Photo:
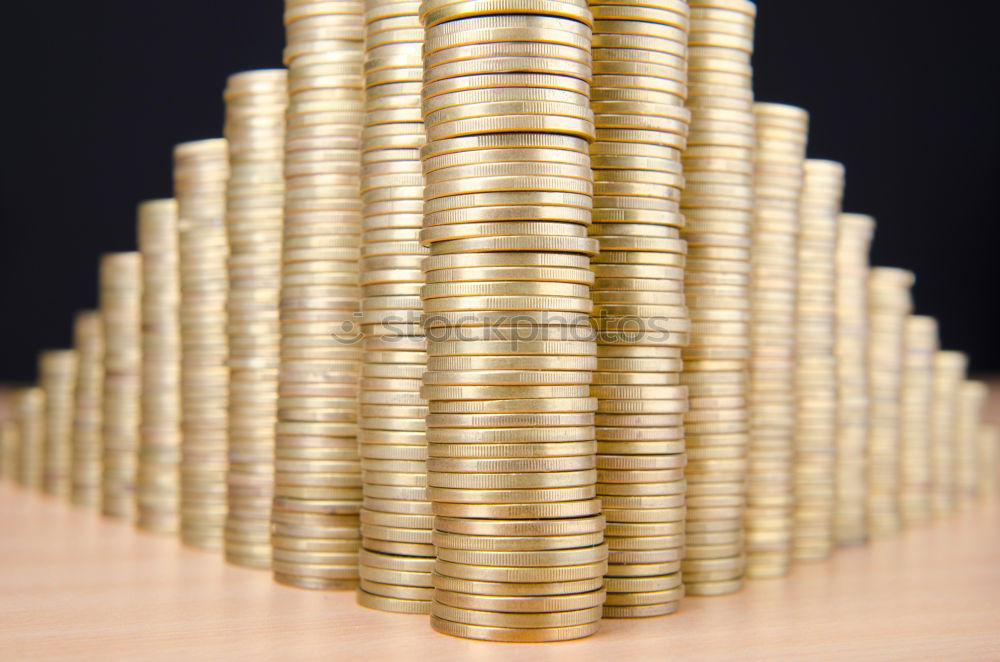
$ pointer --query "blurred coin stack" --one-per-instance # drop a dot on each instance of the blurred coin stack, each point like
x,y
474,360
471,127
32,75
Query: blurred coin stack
x,y
254,130
121,311
853,244
396,519
88,339
718,205
968,417
949,371
201,169
637,96
889,304
10,441
815,363
782,132
57,377
508,197
317,491
29,414
160,426
920,342
989,459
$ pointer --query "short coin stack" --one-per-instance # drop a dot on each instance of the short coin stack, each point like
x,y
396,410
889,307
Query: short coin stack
x,y
637,96
396,516
920,342
88,340
160,428
317,492
989,459
853,244
782,132
57,377
718,204
508,196
254,130
121,309
201,169
29,414
815,363
971,399
10,441
949,371
889,304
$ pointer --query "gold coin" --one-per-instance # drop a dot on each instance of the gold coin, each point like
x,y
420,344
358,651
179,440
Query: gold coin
x,y
511,634
552,510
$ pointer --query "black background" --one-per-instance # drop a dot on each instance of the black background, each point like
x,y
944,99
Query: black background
x,y
96,93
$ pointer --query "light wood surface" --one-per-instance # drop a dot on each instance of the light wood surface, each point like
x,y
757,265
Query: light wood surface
x,y
76,586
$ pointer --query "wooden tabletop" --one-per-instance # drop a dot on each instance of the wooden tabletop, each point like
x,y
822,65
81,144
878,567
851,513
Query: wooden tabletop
x,y
76,586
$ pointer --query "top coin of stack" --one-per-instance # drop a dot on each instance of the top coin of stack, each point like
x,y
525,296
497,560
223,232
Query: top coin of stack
x,y
718,204
920,342
160,428
254,130
971,398
853,243
889,304
317,490
815,364
637,95
781,132
511,468
29,414
201,169
395,517
86,470
949,371
121,310
57,377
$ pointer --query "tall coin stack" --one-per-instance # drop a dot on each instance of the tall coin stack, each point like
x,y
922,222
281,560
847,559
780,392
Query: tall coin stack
x,y
10,442
815,363
160,427
121,310
853,244
889,304
920,342
254,131
29,414
971,399
989,459
88,340
637,96
949,371
201,169
782,132
508,197
317,493
57,377
718,204
396,519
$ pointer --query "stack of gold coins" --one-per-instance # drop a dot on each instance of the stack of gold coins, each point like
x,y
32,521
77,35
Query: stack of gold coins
x,y
160,428
889,304
968,417
317,491
782,132
949,371
121,311
853,245
57,377
989,459
639,308
254,130
29,415
511,452
88,339
10,442
396,518
920,342
815,364
718,204
201,169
